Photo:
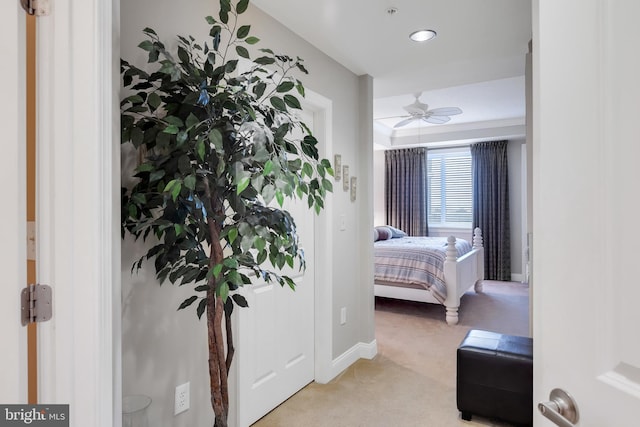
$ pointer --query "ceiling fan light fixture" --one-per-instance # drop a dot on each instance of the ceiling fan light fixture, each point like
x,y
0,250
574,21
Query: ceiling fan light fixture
x,y
422,35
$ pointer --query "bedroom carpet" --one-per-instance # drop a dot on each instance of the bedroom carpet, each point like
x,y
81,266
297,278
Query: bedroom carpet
x,y
411,382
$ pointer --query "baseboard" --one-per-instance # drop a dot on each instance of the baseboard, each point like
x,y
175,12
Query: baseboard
x,y
517,277
348,358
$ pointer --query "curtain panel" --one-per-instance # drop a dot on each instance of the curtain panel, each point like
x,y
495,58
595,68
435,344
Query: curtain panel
x,y
406,190
489,170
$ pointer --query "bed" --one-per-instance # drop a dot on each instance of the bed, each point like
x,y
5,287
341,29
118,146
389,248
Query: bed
x,y
436,270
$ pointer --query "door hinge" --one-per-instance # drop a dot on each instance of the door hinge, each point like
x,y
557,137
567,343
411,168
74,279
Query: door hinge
x,y
36,304
36,7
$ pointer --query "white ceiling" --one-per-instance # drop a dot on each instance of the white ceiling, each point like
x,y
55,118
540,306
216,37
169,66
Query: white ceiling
x,y
476,62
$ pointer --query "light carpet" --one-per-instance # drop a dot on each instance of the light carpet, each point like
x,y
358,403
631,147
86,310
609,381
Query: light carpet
x,y
411,382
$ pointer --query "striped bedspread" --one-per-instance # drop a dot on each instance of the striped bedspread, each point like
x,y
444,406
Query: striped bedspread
x,y
415,261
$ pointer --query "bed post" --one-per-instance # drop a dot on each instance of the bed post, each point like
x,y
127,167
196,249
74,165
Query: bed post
x,y
452,302
478,244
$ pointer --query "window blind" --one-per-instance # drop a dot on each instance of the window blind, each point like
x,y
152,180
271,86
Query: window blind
x,y
449,187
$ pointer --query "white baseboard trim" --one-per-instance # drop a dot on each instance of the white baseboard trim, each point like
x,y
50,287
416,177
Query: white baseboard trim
x,y
517,277
348,358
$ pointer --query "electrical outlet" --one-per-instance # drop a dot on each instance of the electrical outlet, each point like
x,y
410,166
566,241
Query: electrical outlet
x,y
182,398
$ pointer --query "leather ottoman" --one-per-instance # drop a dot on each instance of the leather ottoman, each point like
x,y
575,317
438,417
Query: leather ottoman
x,y
495,377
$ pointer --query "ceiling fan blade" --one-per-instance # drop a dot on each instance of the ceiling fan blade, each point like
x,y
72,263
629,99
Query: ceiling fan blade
x,y
391,117
446,111
405,122
436,120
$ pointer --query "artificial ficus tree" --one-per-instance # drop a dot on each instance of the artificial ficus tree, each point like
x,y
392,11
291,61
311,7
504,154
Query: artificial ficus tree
x,y
218,159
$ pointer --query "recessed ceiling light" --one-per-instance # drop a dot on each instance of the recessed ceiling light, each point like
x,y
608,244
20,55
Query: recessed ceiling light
x,y
422,35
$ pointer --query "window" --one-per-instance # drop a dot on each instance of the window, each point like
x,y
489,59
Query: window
x,y
449,186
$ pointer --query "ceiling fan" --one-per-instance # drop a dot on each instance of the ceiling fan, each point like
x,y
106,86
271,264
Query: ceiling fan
x,y
420,111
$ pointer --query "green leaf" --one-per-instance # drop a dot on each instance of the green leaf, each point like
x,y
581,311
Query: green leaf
x,y
259,89
217,270
268,193
200,148
278,103
153,100
134,99
190,182
223,291
171,130
307,169
327,185
174,186
292,102
233,235
268,167
280,197
242,51
242,5
186,303
148,30
243,184
243,31
183,55
264,60
137,136
257,182
192,120
262,257
201,308
240,300
173,120
156,175
215,137
210,20
231,262
252,40
181,138
284,86
146,45
259,244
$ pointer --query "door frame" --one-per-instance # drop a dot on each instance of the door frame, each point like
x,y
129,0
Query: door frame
x,y
13,258
78,236
323,242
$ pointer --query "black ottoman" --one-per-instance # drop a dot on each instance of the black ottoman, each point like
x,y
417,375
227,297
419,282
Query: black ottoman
x,y
495,377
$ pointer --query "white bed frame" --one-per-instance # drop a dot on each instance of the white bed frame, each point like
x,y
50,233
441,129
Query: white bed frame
x,y
460,275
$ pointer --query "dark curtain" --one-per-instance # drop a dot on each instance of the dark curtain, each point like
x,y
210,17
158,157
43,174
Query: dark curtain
x,y
491,206
406,190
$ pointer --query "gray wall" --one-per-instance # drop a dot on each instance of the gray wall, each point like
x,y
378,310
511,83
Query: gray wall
x,y
163,347
517,199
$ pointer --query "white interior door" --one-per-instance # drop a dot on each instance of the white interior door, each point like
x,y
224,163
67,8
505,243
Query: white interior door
x,y
586,199
276,332
13,252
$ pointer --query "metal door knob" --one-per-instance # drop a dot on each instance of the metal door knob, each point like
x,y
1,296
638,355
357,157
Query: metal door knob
x,y
561,409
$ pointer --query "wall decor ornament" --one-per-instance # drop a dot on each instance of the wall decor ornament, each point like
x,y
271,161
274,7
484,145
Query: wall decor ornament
x,y
354,182
345,177
337,166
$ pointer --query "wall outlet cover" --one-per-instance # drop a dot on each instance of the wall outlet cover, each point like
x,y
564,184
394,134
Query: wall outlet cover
x,y
182,398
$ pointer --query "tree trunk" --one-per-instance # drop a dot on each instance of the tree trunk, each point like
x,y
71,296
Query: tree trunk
x,y
215,372
218,363
218,370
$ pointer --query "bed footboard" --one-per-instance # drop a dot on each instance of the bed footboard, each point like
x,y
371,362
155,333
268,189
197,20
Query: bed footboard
x,y
462,273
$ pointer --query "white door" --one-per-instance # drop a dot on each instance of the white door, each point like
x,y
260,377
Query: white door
x,y
13,252
586,239
276,333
